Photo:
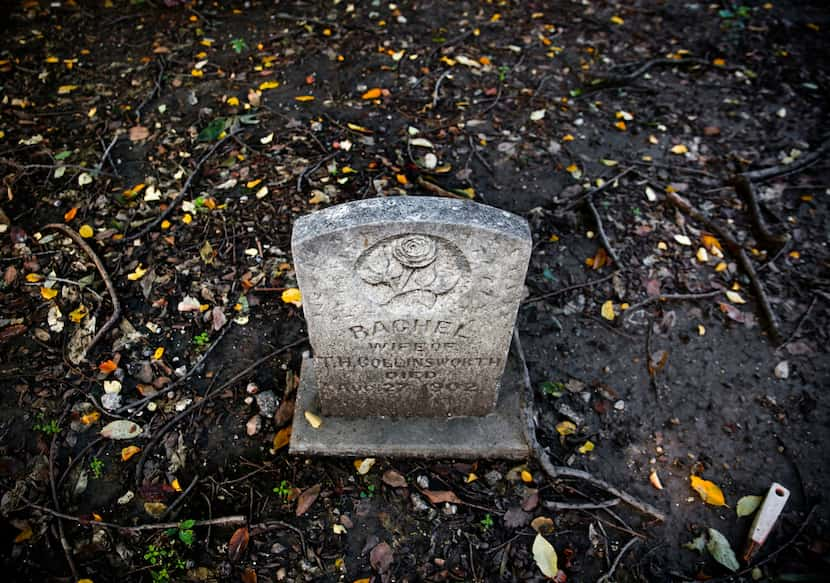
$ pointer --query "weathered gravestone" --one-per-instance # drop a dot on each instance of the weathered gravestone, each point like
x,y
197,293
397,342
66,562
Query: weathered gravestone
x,y
410,304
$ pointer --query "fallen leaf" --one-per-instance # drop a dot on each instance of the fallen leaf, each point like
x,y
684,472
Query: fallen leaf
x,y
86,231
542,524
155,509
364,465
107,366
267,85
129,452
373,93
748,504
137,274
25,535
314,420
683,240
537,115
709,491
394,479
306,499
782,370
70,214
565,428
588,446
526,476
679,149
720,549
607,310
697,544
292,296
381,557
248,575
138,133
545,556
238,544
90,418
441,496
48,293
282,438
121,429
735,297
65,89
655,480
78,314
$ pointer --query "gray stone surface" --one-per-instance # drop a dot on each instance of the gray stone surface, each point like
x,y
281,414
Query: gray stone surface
x,y
410,304
497,435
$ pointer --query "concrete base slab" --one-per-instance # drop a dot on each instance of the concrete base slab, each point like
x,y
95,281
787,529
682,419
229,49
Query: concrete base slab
x,y
498,435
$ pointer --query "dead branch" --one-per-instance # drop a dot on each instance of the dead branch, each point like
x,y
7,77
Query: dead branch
x,y
766,238
609,576
556,472
179,197
581,198
743,259
801,320
786,169
435,189
670,298
53,449
116,305
614,80
602,236
554,505
569,288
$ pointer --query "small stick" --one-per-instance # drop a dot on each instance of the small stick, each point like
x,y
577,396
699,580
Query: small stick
x,y
671,297
766,238
435,92
607,184
107,155
53,449
234,520
553,505
554,471
176,201
602,236
608,576
569,288
178,501
116,305
740,255
644,68
801,320
435,189
786,169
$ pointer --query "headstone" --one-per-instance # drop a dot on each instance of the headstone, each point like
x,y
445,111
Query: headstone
x,y
410,304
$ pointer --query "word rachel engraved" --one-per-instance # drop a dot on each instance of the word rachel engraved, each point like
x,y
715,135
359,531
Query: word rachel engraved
x,y
408,327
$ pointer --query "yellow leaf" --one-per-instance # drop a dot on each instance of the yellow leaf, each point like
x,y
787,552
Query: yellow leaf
x,y
794,254
721,267
302,98
607,310
710,242
719,63
679,149
24,535
527,477
401,178
34,277
702,255
292,296
158,353
129,452
79,314
701,329
565,428
586,447
620,125
175,485
655,480
567,138
187,219
709,491
363,466
70,214
52,60
735,297
572,168
197,73
165,224
90,418
253,183
268,85
471,478
233,101
64,89
48,293
617,20
313,420
137,274
84,580
373,93
282,438
86,231
107,366
545,557
356,128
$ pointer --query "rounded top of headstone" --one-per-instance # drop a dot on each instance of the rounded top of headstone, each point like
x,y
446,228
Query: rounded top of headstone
x,y
408,209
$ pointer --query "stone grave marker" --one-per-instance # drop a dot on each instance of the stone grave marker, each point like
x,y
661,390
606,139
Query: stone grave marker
x,y
410,304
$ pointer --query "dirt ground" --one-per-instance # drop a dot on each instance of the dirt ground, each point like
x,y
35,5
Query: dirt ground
x,y
671,158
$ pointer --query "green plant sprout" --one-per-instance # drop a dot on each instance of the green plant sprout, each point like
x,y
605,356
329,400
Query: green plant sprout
x,y
486,522
164,561
201,340
49,427
238,45
283,490
97,467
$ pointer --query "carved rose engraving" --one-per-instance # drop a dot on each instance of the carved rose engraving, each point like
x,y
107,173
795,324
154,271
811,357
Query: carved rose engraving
x,y
411,268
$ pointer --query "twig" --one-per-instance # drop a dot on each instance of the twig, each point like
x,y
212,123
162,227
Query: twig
x,y
435,91
234,520
116,305
435,189
78,458
178,501
608,576
800,164
107,155
286,16
569,288
801,320
645,67
176,201
554,471
554,505
261,527
671,297
602,236
53,448
766,238
739,253
312,168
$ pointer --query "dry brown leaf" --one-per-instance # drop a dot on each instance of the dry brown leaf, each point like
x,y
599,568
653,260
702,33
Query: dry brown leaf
x,y
439,496
306,499
381,557
282,438
394,479
248,575
138,133
238,544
